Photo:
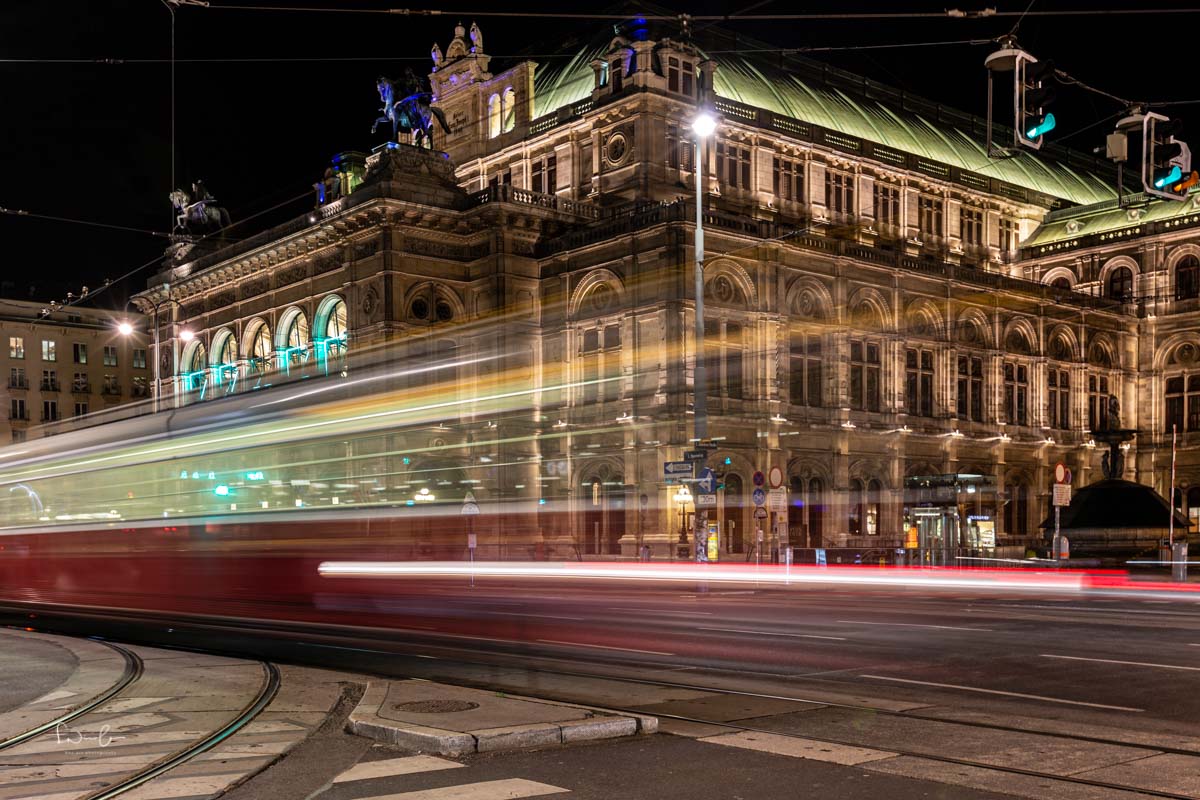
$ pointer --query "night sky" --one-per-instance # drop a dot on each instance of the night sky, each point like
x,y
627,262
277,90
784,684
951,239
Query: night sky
x,y
90,141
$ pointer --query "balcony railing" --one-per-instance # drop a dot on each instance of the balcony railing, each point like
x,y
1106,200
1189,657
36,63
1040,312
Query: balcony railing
x,y
52,417
110,390
80,387
18,383
50,386
19,417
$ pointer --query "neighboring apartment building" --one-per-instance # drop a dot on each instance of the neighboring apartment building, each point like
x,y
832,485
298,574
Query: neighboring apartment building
x,y
70,363
870,316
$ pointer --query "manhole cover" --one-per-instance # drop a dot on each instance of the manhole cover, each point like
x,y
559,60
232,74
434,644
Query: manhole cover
x,y
436,706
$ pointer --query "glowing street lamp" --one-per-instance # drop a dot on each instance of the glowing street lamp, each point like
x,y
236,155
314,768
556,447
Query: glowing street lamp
x,y
125,329
683,497
186,335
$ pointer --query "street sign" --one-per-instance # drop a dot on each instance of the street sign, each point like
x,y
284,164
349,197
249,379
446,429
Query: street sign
x,y
706,481
469,504
759,479
678,469
760,513
703,500
1060,473
1062,494
471,541
778,500
776,477
758,496
707,444
695,455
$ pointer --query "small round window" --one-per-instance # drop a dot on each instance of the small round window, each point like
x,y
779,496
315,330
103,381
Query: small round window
x,y
444,312
419,308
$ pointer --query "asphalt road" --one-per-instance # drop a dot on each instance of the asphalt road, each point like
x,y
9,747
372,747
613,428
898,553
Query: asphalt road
x,y
1065,684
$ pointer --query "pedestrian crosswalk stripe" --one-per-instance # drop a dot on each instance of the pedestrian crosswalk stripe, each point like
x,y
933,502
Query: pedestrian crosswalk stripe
x,y
394,766
511,789
797,747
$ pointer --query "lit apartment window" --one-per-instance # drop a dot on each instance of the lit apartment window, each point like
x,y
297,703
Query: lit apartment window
x,y
110,356
49,351
16,347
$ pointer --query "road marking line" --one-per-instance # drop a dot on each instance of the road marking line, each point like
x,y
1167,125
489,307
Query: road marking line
x,y
539,616
1115,661
661,611
510,789
1007,694
909,625
770,633
395,766
799,748
1088,608
606,647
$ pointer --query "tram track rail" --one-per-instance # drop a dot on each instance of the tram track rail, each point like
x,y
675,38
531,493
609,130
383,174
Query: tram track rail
x,y
134,667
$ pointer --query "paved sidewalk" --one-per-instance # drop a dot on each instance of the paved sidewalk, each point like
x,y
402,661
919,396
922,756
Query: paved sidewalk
x,y
450,720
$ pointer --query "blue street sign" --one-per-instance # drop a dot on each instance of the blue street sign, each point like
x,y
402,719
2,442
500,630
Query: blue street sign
x,y
707,481
676,469
759,497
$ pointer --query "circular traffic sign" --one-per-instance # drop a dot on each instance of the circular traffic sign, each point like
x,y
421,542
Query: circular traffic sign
x,y
759,479
759,497
1060,473
776,477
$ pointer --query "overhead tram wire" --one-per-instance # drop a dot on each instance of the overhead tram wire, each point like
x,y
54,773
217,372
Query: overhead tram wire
x,y
952,13
19,212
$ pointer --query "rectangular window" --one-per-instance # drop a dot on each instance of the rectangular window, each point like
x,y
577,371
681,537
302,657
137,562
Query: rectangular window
x,y
887,204
970,388
544,175
839,192
16,378
864,375
49,410
688,78
679,150
1098,403
1008,236
80,382
16,409
1174,393
1059,391
733,166
930,217
672,74
1016,394
972,226
111,386
49,380
110,355
805,370
16,347
918,382
788,180
49,351
139,359
81,409
80,353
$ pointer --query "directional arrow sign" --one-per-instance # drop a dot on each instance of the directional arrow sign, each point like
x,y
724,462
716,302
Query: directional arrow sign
x,y
673,469
707,481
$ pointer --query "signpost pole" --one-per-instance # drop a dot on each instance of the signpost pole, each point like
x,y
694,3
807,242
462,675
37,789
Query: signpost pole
x,y
1057,532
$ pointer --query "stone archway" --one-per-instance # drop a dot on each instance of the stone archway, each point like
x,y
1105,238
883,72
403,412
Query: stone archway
x,y
600,521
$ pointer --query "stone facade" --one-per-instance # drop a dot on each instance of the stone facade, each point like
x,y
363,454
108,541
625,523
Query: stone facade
x,y
868,314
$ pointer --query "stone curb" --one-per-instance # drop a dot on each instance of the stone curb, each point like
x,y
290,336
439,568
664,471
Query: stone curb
x,y
595,724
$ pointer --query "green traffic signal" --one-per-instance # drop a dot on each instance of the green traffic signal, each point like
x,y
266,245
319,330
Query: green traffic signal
x,y
1045,126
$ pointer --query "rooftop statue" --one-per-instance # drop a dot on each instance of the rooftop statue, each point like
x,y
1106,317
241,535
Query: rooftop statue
x,y
476,39
197,214
411,114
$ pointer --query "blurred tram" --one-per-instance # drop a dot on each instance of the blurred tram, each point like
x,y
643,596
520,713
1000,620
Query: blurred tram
x,y
228,506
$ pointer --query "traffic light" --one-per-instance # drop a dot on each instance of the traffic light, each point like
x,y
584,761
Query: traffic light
x,y
1166,161
1034,93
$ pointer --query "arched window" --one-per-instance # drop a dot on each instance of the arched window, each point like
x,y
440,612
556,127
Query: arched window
x,y
195,369
329,331
1120,284
493,116
508,105
1187,278
224,360
1016,510
1061,283
293,338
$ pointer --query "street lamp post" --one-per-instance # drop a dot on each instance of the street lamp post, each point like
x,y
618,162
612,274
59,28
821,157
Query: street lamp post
x,y
683,497
703,126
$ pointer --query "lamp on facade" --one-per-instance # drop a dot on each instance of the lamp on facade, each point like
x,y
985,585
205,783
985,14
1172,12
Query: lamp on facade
x,y
186,335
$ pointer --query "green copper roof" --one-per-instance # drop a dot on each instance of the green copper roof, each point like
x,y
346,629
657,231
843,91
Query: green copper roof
x,y
849,104
1083,226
